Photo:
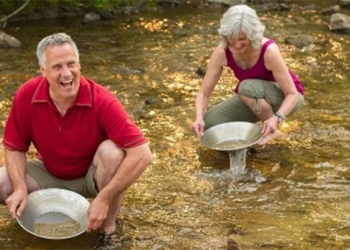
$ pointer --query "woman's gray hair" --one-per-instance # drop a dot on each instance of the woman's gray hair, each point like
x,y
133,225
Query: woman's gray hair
x,y
241,18
53,40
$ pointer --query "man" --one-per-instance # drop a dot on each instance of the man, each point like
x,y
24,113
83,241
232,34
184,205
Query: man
x,y
85,140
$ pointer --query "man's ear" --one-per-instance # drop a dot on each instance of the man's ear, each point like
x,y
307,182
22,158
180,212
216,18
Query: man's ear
x,y
42,70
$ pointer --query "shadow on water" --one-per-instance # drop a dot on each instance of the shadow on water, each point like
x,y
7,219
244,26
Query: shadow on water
x,y
185,199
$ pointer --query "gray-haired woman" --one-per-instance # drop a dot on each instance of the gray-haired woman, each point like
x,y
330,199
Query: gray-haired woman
x,y
266,91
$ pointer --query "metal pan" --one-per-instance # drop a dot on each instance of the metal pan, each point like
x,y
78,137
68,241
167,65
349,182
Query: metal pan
x,y
231,136
55,214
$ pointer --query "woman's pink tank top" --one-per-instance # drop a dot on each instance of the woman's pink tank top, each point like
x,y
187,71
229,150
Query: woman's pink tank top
x,y
258,71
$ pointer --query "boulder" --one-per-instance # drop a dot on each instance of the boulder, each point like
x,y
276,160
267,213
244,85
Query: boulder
x,y
340,22
7,41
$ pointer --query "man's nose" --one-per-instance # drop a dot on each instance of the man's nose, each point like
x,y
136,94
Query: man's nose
x,y
66,71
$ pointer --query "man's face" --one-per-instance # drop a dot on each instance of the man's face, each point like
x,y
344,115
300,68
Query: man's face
x,y
62,70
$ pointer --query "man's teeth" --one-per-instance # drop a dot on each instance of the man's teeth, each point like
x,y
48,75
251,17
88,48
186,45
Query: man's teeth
x,y
67,83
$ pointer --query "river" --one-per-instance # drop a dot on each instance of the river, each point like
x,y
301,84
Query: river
x,y
186,199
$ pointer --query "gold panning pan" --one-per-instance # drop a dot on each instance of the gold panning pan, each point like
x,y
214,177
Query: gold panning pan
x,y
55,214
232,136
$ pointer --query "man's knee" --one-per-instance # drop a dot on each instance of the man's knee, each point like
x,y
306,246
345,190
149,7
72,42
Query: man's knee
x,y
5,185
109,153
106,162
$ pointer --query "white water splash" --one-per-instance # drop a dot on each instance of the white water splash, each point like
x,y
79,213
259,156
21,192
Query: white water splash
x,y
238,162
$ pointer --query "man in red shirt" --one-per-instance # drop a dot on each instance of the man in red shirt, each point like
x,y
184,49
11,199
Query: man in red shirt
x,y
85,140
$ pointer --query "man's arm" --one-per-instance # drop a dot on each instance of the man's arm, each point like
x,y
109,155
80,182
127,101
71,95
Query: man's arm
x,y
105,206
135,162
16,168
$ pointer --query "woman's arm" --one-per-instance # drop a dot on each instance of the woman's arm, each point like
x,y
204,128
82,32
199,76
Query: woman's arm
x,y
275,63
216,63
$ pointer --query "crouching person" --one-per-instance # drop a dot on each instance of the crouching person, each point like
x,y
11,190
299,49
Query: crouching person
x,y
86,141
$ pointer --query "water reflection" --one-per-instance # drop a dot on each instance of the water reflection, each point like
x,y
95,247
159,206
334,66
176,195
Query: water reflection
x,y
184,200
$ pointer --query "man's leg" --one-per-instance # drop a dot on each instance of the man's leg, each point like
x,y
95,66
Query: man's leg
x,y
6,186
107,160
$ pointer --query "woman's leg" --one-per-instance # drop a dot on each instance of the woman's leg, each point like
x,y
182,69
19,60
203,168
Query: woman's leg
x,y
262,97
230,110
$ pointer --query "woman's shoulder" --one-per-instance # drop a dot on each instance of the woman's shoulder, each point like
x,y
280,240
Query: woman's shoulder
x,y
270,45
268,41
219,54
220,49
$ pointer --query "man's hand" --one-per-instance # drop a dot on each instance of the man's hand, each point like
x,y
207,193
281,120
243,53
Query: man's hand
x,y
97,213
16,202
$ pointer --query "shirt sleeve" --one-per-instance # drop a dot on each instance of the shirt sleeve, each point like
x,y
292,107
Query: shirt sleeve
x,y
16,133
118,125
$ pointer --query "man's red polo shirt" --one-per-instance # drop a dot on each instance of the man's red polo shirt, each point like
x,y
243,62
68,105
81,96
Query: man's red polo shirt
x,y
67,144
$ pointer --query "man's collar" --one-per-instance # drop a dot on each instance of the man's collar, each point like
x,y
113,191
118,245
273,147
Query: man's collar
x,y
84,97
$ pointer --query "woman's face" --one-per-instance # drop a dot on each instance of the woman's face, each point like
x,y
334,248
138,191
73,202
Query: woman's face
x,y
241,44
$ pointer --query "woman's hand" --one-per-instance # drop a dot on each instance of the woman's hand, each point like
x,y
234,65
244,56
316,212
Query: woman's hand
x,y
198,127
269,130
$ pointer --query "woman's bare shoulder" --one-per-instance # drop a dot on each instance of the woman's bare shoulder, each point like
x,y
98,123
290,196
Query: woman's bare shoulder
x,y
218,55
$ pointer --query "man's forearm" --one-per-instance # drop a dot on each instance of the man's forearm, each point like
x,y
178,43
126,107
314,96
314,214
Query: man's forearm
x,y
16,168
130,170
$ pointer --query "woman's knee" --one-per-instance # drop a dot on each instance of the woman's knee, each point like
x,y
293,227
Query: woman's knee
x,y
252,88
231,110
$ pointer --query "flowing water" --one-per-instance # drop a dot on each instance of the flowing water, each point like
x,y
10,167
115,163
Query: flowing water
x,y
238,163
296,191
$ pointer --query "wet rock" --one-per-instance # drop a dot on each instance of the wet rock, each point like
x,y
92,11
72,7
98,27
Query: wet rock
x,y
307,7
7,41
344,3
235,230
300,41
227,2
129,10
168,3
105,15
151,100
200,72
157,247
330,10
233,245
340,22
91,17
283,7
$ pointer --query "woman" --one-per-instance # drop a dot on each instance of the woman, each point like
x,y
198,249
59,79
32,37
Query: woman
x,y
266,91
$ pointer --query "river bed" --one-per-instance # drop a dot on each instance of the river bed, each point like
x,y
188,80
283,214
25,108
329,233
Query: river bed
x,y
187,199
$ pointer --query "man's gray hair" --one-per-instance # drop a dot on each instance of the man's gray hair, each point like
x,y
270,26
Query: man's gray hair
x,y
53,40
241,18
